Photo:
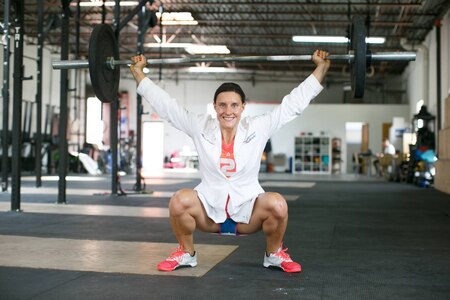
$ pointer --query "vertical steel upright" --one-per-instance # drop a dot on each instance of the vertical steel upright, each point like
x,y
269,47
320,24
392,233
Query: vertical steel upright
x,y
138,160
438,77
38,137
119,25
62,128
17,105
113,139
139,109
113,116
5,94
78,79
161,32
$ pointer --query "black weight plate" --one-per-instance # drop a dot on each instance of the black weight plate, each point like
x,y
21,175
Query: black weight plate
x,y
102,45
358,67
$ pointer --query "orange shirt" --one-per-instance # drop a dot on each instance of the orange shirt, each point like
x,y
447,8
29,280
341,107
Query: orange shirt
x,y
227,163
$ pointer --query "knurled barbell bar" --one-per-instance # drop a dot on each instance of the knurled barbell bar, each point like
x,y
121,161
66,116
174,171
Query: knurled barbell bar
x,y
111,63
104,60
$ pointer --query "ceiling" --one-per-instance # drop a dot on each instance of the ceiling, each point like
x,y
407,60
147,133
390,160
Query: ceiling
x,y
259,27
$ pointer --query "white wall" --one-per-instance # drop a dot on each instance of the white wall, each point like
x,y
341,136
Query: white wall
x,y
414,74
50,86
329,118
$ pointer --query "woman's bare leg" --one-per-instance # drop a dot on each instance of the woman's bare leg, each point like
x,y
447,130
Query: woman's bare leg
x,y
270,213
187,214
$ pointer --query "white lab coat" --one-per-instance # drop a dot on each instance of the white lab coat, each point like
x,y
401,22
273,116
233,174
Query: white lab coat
x,y
251,137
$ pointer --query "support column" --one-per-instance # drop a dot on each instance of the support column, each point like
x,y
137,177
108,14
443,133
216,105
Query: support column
x,y
139,108
62,128
5,94
17,105
38,136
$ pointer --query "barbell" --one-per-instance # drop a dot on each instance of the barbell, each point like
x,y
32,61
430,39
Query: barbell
x,y
103,61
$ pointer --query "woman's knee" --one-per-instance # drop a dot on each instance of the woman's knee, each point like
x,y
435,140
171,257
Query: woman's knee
x,y
182,200
277,205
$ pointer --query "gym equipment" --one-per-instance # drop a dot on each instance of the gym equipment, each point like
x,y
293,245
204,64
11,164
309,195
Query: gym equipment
x,y
359,66
103,46
104,60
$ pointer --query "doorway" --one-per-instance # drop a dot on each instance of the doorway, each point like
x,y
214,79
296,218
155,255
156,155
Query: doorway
x,y
152,146
357,142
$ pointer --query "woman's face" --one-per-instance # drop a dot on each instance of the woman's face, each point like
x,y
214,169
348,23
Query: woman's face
x,y
229,107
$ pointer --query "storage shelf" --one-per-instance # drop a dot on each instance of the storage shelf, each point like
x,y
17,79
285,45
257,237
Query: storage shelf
x,y
312,155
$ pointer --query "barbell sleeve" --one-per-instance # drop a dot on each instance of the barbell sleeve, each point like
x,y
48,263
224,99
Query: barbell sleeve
x,y
393,56
70,64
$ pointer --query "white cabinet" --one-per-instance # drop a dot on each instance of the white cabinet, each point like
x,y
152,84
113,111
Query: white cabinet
x,y
312,155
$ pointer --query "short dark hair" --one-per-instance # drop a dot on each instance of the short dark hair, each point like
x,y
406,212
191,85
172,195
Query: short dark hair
x,y
230,87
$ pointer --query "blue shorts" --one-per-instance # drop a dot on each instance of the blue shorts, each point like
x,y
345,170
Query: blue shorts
x,y
229,227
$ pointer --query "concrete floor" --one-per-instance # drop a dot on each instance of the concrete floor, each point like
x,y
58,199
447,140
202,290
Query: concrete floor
x,y
356,238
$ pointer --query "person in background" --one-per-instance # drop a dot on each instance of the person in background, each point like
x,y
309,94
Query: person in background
x,y
389,149
229,198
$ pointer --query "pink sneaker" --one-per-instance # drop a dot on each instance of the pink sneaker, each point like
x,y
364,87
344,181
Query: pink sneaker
x,y
177,259
282,260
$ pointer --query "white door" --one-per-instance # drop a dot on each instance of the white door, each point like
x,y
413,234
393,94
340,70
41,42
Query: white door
x,y
152,146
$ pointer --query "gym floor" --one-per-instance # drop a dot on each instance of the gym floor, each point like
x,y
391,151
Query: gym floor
x,y
356,238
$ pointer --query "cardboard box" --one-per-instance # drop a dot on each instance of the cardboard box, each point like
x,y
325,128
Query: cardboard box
x,y
447,112
444,143
442,178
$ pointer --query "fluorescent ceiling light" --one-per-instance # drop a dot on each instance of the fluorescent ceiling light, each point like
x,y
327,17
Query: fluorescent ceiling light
x,y
332,39
171,23
167,45
207,49
192,48
375,40
319,39
107,3
212,70
177,18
